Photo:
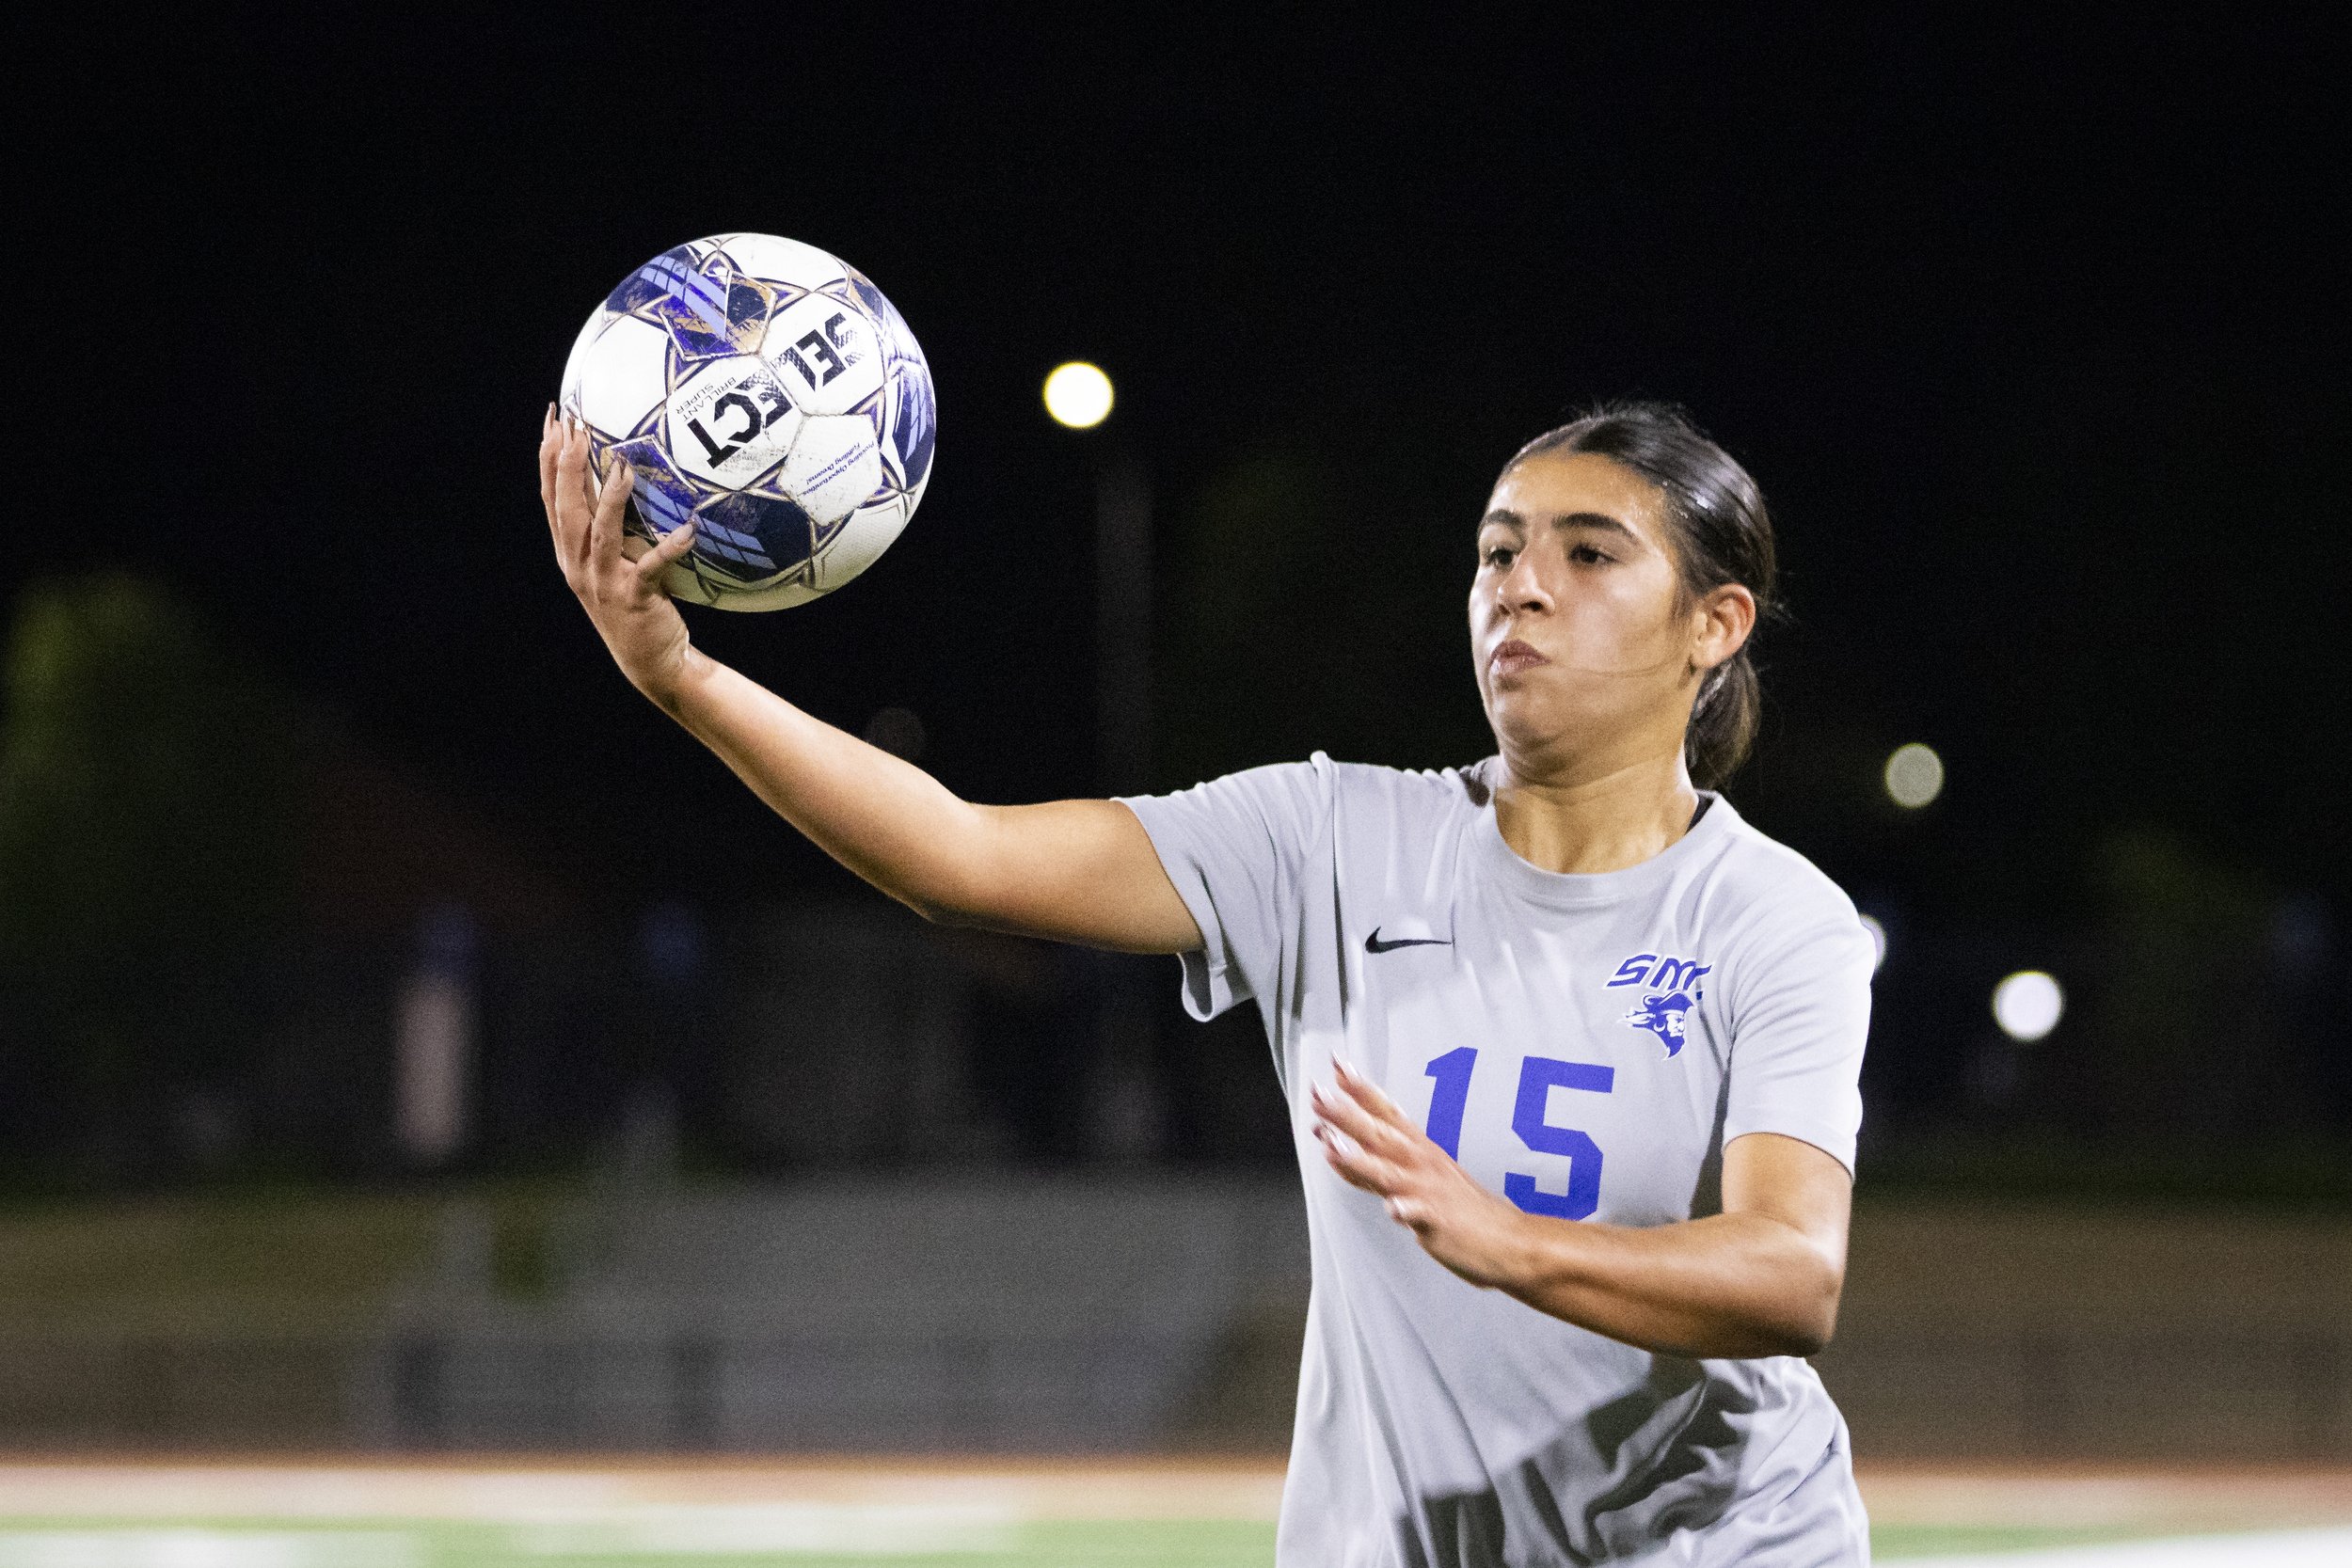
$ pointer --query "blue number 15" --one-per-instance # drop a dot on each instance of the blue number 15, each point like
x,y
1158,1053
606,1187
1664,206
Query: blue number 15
x,y
1538,1077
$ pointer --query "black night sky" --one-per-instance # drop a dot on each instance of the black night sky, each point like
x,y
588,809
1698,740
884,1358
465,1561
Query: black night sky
x,y
2029,330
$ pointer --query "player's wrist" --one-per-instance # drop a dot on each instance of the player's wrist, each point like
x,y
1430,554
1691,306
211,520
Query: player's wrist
x,y
1501,1256
1536,1253
673,682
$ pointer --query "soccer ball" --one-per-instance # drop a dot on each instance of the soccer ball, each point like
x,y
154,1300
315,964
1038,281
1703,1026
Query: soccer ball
x,y
768,391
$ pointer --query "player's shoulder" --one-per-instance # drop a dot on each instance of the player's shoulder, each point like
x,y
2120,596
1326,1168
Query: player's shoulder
x,y
1319,800
1757,883
1401,796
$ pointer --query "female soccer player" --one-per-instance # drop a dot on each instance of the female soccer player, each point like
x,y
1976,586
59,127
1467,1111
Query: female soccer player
x,y
1571,1050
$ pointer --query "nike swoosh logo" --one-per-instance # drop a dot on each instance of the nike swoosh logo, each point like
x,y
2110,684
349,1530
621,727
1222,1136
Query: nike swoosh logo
x,y
1373,944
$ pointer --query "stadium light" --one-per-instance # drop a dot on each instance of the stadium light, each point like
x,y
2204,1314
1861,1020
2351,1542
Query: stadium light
x,y
1078,395
1915,776
2028,1005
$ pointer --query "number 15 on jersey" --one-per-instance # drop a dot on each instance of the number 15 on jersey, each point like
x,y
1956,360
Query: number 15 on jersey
x,y
1538,1077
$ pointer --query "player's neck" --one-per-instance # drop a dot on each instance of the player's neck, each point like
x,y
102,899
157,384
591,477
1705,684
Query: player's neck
x,y
1599,818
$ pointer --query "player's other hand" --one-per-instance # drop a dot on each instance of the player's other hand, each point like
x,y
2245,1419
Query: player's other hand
x,y
1373,1145
618,579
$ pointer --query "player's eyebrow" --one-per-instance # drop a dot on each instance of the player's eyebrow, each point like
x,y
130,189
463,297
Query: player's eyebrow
x,y
1598,521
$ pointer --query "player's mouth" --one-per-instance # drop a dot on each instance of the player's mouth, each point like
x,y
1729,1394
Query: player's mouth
x,y
1513,658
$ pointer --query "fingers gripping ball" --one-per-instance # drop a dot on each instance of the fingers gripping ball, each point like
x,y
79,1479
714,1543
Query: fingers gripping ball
x,y
767,391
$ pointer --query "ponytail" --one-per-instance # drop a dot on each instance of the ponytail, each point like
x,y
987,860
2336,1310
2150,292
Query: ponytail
x,y
1724,722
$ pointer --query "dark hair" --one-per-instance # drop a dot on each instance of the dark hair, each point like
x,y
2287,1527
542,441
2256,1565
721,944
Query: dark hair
x,y
1721,533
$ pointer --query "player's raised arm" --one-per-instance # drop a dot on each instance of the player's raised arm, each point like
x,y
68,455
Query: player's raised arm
x,y
1079,871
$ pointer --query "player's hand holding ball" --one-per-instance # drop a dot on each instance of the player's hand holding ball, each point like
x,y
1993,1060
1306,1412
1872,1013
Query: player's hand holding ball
x,y
747,422
619,580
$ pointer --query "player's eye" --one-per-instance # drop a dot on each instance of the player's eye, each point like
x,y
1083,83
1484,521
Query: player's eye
x,y
1498,556
1589,555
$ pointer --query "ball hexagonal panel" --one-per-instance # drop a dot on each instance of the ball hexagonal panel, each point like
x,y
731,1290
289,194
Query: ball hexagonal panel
x,y
835,466
623,375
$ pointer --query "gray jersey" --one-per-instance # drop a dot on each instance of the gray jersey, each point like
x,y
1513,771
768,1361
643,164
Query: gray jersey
x,y
1584,1045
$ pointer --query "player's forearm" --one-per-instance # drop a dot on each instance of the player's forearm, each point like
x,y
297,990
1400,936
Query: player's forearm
x,y
1729,1285
883,817
1078,871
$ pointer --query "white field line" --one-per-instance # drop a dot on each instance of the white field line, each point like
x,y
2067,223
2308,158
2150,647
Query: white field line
x,y
853,1529
2316,1548
207,1548
550,1495
2186,1500
720,1530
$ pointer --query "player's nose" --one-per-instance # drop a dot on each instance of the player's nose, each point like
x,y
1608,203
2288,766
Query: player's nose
x,y
1522,589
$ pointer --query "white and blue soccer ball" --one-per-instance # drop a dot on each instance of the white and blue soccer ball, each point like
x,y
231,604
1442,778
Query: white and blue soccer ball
x,y
768,391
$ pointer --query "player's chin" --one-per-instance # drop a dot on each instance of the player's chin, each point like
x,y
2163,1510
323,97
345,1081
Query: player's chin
x,y
1528,714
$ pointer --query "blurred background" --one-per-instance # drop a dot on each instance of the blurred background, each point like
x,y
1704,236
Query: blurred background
x,y
409,1041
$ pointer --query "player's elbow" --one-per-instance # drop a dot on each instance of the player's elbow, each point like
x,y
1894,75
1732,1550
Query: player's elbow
x,y
1808,1316
1788,1328
1809,1337
1790,1309
967,909
968,879
951,893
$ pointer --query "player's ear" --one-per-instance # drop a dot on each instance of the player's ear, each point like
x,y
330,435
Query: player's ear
x,y
1723,620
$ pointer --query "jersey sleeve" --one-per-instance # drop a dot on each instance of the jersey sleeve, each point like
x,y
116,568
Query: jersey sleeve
x,y
1800,1016
1235,848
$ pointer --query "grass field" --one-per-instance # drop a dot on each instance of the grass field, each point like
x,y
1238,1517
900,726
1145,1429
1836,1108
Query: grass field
x,y
912,1515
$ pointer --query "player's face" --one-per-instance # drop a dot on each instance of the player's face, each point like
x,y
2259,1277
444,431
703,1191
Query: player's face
x,y
1583,642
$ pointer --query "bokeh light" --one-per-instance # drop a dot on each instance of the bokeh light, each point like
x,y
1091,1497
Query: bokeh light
x,y
1915,776
2028,1005
1078,394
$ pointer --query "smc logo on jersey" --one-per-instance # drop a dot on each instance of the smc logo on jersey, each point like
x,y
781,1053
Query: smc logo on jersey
x,y
1670,989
